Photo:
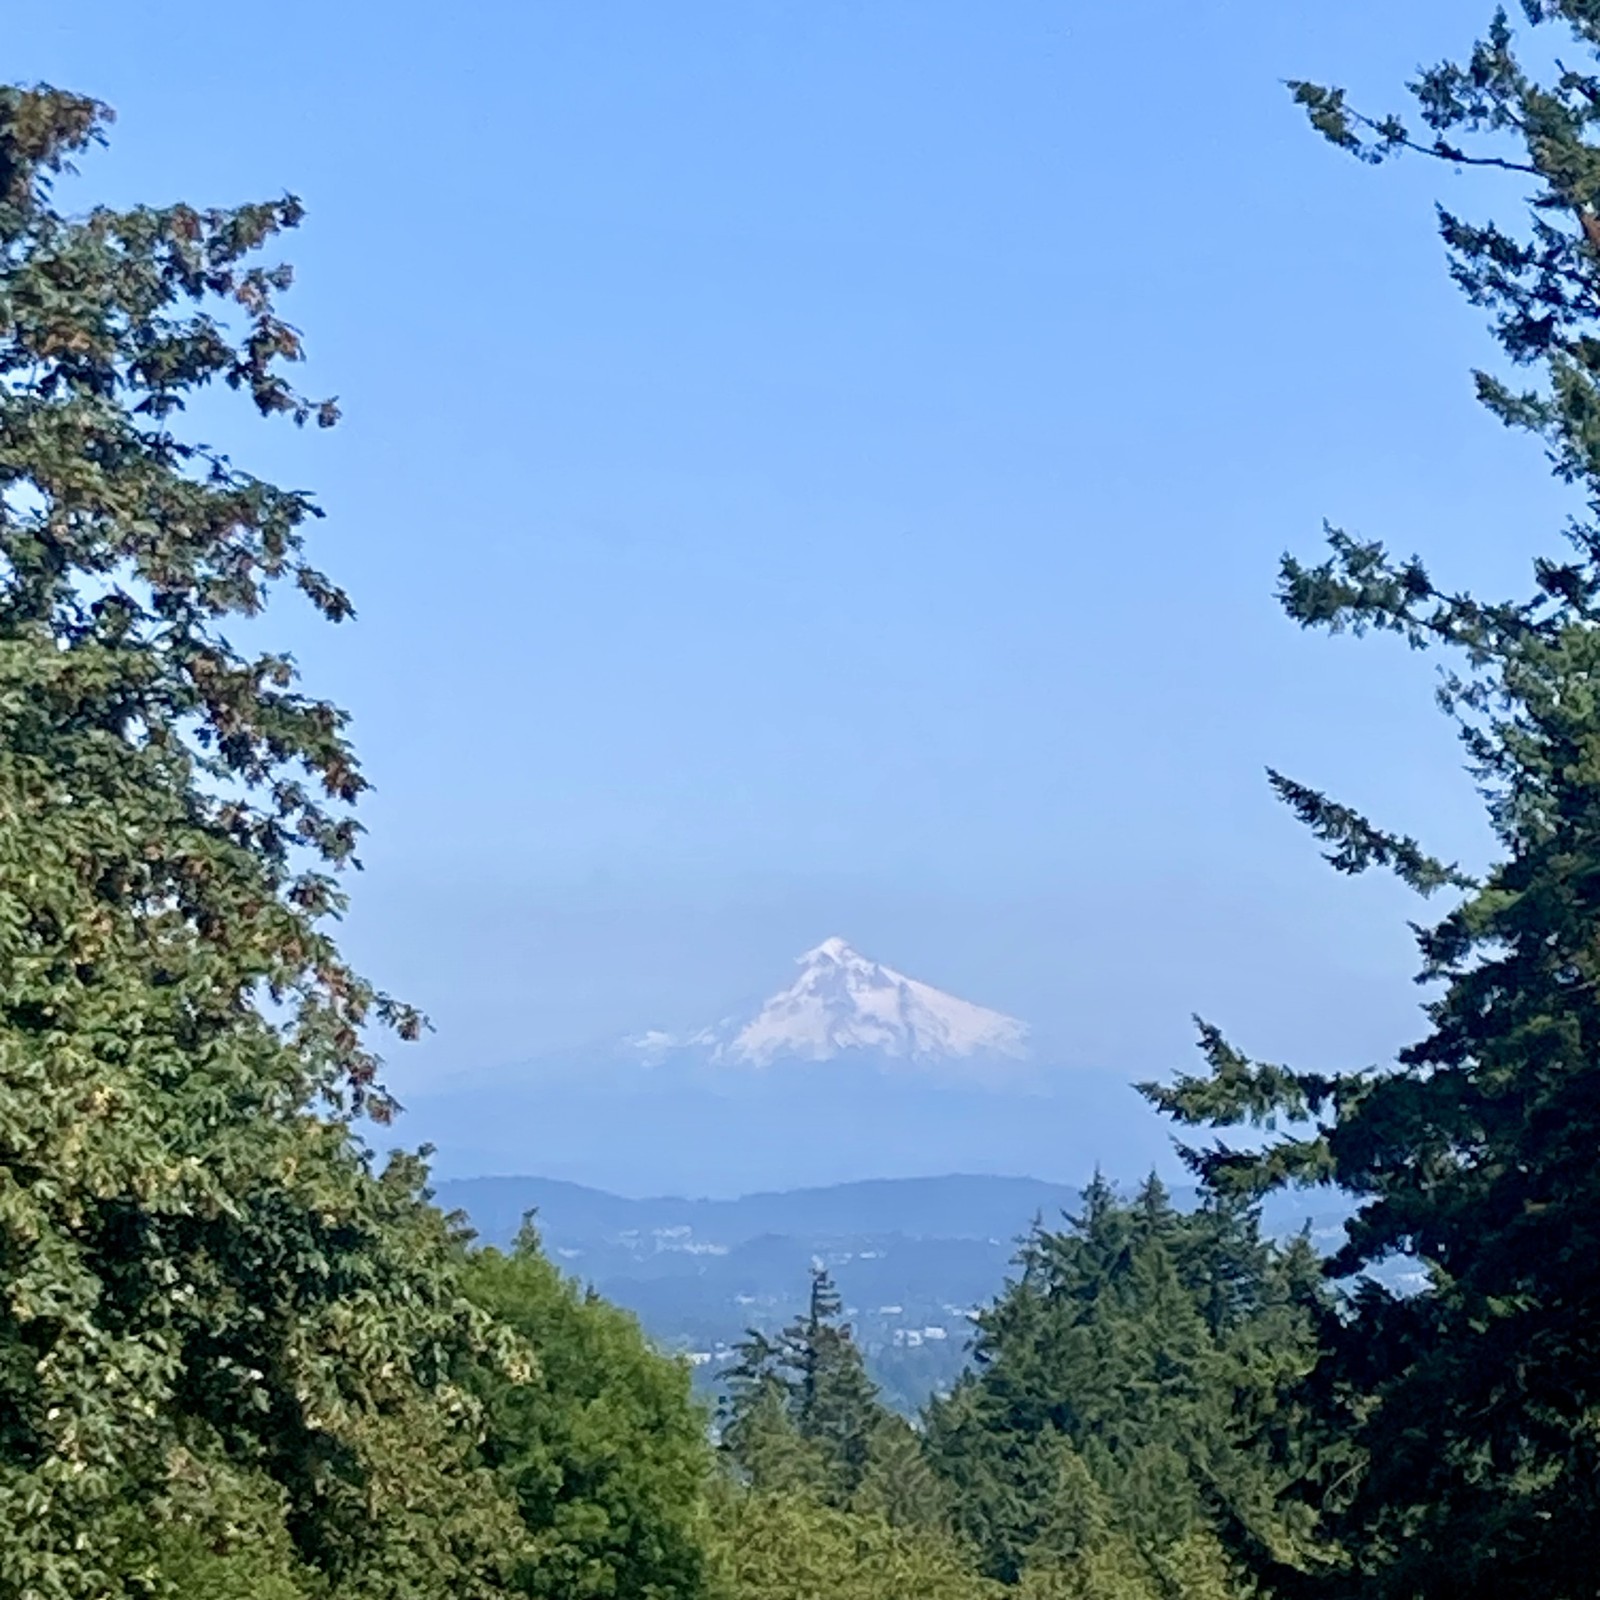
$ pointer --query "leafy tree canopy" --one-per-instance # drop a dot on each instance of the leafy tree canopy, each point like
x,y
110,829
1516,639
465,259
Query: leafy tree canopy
x,y
217,1319
604,1450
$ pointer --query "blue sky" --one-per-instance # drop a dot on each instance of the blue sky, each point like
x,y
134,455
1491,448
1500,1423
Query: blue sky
x,y
819,466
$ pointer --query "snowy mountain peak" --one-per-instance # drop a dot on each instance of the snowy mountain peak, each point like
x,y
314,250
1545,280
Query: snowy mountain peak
x,y
843,1001
834,949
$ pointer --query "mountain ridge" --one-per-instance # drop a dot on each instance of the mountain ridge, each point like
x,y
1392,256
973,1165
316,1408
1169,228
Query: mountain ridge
x,y
946,1205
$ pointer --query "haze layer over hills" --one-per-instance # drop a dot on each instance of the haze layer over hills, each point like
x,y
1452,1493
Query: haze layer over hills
x,y
849,1069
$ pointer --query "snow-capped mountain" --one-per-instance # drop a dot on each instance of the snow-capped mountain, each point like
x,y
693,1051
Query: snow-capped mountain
x,y
843,1001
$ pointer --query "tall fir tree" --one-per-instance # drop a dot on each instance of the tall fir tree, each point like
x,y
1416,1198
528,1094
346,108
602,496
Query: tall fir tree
x,y
799,1410
756,1422
1100,1365
1462,1423
836,1404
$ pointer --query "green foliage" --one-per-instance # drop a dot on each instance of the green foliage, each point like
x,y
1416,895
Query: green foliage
x,y
789,1547
830,1493
1124,1432
836,1404
1128,1399
204,1544
762,1443
801,1410
599,1442
1111,1569
899,1483
1461,1425
216,1316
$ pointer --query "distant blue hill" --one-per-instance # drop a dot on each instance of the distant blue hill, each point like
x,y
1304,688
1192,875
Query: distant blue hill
x,y
957,1207
913,1257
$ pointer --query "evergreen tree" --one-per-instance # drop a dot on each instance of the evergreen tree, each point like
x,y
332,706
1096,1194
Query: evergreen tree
x,y
800,1410
1081,1554
836,1404
1106,1402
899,1483
834,1494
1462,1423
756,1421
225,1340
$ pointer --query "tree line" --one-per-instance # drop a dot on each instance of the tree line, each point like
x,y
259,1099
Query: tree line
x,y
1122,1430
239,1356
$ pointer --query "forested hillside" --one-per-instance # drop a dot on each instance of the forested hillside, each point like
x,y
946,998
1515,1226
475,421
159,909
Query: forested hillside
x,y
240,1357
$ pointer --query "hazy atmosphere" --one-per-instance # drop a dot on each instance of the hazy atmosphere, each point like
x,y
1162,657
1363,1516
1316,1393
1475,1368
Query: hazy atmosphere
x,y
819,469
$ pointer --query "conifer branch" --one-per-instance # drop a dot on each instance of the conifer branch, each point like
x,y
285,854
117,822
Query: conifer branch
x,y
1358,845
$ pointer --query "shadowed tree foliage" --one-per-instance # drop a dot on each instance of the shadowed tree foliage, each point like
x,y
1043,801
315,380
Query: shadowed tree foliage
x,y
1462,1423
1126,1412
